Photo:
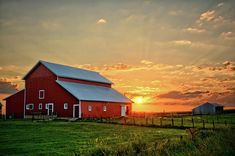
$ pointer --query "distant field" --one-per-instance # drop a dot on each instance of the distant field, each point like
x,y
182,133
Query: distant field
x,y
67,138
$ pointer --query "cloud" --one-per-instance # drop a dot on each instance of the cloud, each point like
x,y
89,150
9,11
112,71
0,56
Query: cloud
x,y
8,87
180,95
194,30
207,16
220,4
227,35
146,62
182,42
226,66
10,79
101,21
215,20
105,67
175,12
227,63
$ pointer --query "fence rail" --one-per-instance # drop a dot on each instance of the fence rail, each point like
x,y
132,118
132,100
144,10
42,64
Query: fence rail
x,y
169,122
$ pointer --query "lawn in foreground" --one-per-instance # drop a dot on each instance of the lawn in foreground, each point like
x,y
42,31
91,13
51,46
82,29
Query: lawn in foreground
x,y
66,138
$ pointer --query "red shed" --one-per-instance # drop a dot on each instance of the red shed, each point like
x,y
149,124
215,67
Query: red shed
x,y
15,105
68,92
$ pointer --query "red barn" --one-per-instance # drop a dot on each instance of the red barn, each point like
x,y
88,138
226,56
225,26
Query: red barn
x,y
67,92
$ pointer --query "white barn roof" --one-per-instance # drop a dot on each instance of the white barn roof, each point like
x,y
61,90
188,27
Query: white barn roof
x,y
93,93
72,72
207,103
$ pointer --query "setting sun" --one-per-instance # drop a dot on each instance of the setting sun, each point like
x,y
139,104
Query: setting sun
x,y
138,100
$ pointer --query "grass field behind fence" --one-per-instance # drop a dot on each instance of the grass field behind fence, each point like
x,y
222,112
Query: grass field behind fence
x,y
67,138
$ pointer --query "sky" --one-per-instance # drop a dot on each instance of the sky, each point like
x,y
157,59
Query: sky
x,y
170,55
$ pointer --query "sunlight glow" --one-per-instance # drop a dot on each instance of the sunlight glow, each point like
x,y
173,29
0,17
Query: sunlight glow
x,y
138,99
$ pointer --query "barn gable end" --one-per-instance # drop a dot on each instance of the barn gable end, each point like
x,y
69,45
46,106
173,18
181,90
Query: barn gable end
x,y
42,79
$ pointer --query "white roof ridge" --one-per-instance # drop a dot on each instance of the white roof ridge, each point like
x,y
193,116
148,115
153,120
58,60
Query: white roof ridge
x,y
42,61
71,72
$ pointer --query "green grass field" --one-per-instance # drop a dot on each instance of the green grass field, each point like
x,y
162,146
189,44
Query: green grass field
x,y
67,138
24,137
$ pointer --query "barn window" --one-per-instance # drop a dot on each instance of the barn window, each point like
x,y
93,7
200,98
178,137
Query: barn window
x,y
105,108
40,106
89,108
65,105
29,106
41,94
46,106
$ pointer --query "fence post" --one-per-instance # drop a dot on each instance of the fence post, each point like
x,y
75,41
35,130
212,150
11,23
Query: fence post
x,y
225,122
193,122
172,122
161,121
133,120
146,121
182,122
124,120
152,121
203,123
213,124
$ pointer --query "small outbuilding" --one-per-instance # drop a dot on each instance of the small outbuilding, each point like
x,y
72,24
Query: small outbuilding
x,y
208,108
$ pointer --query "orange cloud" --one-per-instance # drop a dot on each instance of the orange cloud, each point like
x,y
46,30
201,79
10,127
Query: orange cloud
x,y
101,21
146,62
182,42
207,16
194,30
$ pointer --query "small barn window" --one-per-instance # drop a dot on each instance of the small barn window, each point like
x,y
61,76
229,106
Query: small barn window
x,y
105,108
41,94
65,105
46,106
40,106
89,108
29,106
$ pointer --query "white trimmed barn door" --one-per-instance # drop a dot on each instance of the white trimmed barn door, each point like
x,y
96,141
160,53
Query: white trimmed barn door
x,y
123,110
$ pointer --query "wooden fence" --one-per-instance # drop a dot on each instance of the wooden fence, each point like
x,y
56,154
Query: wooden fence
x,y
167,122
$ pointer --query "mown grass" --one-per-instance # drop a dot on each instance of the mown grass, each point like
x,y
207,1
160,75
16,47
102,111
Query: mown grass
x,y
24,137
75,138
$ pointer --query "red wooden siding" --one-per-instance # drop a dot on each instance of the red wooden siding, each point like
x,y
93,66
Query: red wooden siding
x,y
43,79
15,105
113,109
84,82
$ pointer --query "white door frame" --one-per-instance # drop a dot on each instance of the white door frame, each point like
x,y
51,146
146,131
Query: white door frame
x,y
52,104
123,113
80,110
